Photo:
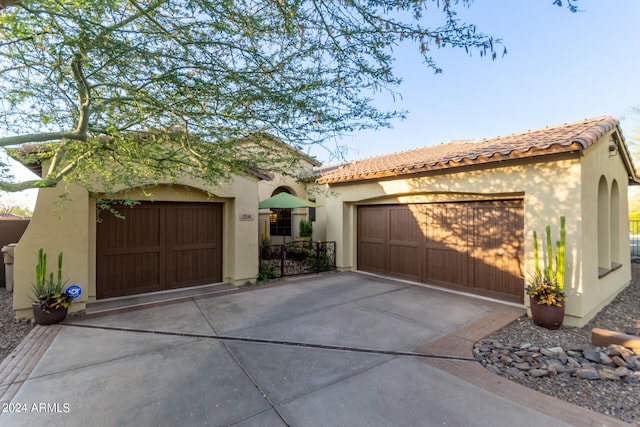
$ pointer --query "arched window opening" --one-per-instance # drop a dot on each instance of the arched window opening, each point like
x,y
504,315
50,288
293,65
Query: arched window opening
x,y
604,260
280,218
614,221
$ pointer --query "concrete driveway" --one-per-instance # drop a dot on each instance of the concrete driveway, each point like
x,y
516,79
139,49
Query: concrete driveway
x,y
334,350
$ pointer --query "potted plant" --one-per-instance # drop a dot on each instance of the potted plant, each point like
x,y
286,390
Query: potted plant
x,y
546,286
51,301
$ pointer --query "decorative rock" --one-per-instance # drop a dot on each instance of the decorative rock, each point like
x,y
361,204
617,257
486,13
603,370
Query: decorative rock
x,y
558,351
591,355
588,373
485,348
631,360
522,366
493,369
623,372
609,374
573,363
516,373
618,350
557,365
548,352
538,372
610,363
517,359
618,361
605,359
505,359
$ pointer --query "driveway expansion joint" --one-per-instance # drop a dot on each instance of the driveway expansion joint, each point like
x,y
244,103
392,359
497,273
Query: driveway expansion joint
x,y
281,342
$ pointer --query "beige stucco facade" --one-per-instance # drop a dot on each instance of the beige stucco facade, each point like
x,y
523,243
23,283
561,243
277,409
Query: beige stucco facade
x,y
586,185
68,224
550,186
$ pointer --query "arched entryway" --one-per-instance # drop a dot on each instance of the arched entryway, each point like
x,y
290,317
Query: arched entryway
x,y
281,219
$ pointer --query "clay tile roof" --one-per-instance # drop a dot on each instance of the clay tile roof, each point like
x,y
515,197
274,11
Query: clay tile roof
x,y
561,138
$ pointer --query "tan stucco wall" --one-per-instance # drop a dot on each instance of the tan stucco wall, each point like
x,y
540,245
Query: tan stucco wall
x,y
72,230
550,188
596,292
58,225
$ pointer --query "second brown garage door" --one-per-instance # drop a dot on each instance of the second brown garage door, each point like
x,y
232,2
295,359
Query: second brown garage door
x,y
472,246
158,246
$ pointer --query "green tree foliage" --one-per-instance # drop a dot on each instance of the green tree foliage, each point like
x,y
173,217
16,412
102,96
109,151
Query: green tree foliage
x,y
634,145
10,205
127,92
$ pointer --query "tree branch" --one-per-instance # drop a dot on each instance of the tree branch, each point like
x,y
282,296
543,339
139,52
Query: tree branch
x,y
84,96
12,187
40,137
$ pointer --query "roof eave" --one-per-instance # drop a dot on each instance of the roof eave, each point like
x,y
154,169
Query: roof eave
x,y
533,154
625,155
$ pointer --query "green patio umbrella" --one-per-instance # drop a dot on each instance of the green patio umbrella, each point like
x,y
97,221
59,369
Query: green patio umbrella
x,y
285,201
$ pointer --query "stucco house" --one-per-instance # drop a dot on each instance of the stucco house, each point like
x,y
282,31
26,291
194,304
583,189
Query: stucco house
x,y
180,234
460,215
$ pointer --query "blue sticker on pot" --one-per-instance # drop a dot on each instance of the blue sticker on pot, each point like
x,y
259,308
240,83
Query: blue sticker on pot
x,y
74,290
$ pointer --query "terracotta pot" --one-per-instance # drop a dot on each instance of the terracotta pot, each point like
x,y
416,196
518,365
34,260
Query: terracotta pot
x,y
547,316
54,316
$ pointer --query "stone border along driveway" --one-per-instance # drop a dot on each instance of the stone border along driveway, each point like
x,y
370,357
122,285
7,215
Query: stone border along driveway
x,y
246,324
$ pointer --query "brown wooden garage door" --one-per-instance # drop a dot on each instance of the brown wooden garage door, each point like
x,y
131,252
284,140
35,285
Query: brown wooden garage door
x,y
158,246
472,246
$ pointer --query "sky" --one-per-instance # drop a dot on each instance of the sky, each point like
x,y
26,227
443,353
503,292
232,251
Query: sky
x,y
560,67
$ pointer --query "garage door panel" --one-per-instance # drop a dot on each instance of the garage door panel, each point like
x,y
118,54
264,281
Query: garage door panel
x,y
130,274
405,241
403,225
191,225
372,223
404,261
447,227
194,242
193,267
371,256
157,246
447,266
478,246
498,235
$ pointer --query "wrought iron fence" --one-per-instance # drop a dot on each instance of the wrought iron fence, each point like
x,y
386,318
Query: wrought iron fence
x,y
634,236
299,257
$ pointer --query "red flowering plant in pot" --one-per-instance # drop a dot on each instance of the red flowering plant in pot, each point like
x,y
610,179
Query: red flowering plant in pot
x,y
51,301
546,287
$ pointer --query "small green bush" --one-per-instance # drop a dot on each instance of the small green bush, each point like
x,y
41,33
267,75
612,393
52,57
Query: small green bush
x,y
306,228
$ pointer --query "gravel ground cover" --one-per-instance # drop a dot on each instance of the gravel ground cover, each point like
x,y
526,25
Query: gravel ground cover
x,y
12,330
619,399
